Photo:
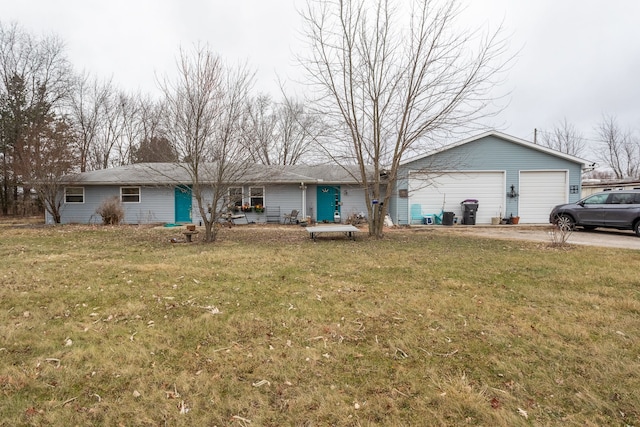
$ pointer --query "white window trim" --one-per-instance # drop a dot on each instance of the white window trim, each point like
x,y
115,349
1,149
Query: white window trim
x,y
75,203
263,195
139,195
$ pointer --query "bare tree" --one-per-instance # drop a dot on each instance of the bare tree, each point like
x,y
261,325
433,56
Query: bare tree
x,y
619,149
261,120
278,133
108,124
151,117
109,144
86,110
564,138
297,130
388,87
34,79
132,128
52,157
205,107
150,143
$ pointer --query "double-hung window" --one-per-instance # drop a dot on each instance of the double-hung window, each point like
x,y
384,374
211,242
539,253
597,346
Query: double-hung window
x,y
130,194
257,196
74,195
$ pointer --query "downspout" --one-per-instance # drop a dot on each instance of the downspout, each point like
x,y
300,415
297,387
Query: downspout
x,y
303,209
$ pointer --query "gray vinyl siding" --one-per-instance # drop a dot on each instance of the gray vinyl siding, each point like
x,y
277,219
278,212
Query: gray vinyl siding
x,y
156,206
351,196
290,197
157,198
353,200
284,197
399,207
488,153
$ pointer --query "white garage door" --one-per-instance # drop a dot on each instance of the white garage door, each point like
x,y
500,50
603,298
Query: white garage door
x,y
540,191
431,191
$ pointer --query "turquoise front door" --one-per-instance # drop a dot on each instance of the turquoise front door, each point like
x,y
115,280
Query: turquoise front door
x,y
328,200
183,203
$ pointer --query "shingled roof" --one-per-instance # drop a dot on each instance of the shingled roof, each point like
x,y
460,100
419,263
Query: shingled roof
x,y
172,174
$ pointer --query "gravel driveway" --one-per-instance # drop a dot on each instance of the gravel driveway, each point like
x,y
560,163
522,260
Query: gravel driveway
x,y
600,237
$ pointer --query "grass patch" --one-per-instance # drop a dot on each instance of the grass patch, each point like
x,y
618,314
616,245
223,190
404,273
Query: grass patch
x,y
118,326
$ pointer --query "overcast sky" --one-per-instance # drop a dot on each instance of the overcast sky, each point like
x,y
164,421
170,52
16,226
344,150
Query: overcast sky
x,y
578,59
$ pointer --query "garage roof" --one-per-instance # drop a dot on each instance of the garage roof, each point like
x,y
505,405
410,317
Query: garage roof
x,y
584,163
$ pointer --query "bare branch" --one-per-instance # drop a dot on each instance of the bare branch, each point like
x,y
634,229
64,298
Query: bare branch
x,y
390,80
205,106
619,149
564,138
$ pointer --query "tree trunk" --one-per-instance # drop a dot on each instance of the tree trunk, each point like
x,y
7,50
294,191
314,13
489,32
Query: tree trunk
x,y
210,231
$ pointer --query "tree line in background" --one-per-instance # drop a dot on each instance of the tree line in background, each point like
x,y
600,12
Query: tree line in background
x,y
54,121
616,149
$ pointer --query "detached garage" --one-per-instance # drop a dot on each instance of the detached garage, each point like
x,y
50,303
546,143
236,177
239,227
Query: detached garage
x,y
506,175
444,191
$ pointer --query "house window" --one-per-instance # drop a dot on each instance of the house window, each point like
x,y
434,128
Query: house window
x,y
257,196
130,194
235,196
74,195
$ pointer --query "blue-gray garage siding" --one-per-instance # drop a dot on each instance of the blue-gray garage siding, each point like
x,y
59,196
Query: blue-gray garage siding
x,y
489,153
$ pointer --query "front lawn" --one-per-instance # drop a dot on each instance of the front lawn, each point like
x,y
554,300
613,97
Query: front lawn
x,y
119,326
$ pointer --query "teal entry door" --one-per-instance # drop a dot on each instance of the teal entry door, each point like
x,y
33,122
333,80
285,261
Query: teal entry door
x,y
183,203
328,202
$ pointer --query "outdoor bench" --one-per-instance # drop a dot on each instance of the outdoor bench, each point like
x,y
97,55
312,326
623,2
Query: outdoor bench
x,y
348,230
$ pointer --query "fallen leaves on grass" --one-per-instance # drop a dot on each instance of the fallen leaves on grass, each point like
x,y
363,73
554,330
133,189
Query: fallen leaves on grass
x,y
495,403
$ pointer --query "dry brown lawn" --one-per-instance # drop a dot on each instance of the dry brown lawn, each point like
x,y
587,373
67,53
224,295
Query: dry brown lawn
x,y
119,326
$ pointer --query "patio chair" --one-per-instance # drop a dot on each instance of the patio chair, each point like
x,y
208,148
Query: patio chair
x,y
416,214
290,218
432,218
438,218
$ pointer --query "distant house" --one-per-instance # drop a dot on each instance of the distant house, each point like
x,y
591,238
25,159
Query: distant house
x,y
506,175
161,193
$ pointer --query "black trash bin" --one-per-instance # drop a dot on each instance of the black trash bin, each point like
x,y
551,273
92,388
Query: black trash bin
x,y
469,209
447,218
